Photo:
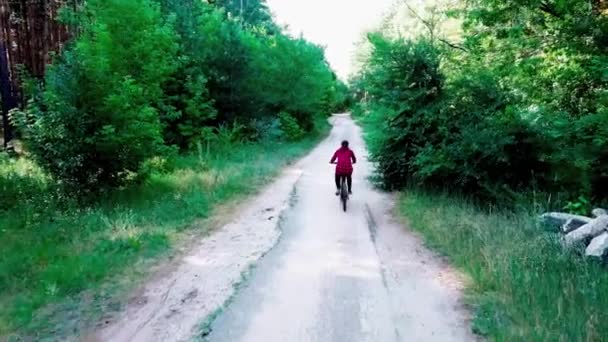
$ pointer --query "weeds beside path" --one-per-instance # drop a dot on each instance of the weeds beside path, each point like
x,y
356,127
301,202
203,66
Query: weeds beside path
x,y
53,257
524,286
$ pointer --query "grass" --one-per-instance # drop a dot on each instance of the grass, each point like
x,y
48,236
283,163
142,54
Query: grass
x,y
524,286
58,258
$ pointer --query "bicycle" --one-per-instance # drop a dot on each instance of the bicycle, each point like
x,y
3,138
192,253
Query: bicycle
x,y
343,192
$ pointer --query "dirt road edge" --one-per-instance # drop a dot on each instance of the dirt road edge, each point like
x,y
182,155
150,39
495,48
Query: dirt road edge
x,y
172,307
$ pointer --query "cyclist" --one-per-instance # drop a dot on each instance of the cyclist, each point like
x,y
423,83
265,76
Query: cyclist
x,y
344,158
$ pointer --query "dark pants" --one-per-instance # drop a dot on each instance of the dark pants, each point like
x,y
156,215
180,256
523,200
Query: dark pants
x,y
349,180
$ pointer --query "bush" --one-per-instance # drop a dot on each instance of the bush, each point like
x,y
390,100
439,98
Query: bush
x,y
20,181
279,61
481,145
469,132
187,107
97,119
289,126
266,129
409,106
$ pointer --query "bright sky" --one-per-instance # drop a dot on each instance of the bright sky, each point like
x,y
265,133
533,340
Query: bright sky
x,y
335,24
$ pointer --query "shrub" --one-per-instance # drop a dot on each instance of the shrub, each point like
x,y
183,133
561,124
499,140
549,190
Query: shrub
x,y
408,106
289,126
265,129
483,146
277,61
459,133
97,119
521,103
21,182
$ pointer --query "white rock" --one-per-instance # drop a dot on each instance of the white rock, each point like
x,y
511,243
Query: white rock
x,y
598,246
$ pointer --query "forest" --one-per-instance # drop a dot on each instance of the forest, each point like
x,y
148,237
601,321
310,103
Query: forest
x,y
150,115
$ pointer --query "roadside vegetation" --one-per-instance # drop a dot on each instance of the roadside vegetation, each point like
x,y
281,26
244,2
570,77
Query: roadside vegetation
x,y
484,130
152,116
55,248
523,285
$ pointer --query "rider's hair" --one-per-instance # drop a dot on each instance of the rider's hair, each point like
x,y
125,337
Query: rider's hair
x,y
345,143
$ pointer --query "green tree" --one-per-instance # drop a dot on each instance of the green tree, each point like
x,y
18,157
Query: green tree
x,y
187,104
282,61
97,118
521,106
252,12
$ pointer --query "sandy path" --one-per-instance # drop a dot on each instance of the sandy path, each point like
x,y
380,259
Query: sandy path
x,y
320,275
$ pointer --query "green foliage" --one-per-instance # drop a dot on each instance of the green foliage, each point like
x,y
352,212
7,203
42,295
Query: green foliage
x,y
247,67
410,71
337,99
268,129
253,76
520,106
281,60
250,12
187,105
477,144
581,206
97,119
290,127
20,180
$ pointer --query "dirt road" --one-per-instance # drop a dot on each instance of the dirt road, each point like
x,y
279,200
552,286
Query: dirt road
x,y
320,274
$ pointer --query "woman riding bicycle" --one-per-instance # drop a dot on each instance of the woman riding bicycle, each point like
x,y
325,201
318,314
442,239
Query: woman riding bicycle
x,y
344,158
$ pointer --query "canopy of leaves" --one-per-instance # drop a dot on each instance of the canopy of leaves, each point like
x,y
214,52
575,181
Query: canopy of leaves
x,y
251,12
520,104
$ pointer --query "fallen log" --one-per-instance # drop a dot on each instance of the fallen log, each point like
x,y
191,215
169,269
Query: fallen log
x,y
590,230
598,246
572,225
560,219
599,212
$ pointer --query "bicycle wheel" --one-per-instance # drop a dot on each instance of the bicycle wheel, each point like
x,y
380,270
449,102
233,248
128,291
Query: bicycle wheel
x,y
343,194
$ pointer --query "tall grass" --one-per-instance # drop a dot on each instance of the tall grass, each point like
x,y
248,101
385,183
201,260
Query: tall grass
x,y
53,250
524,286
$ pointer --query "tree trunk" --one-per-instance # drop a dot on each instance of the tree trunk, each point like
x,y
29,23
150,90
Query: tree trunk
x,y
559,219
8,100
29,33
